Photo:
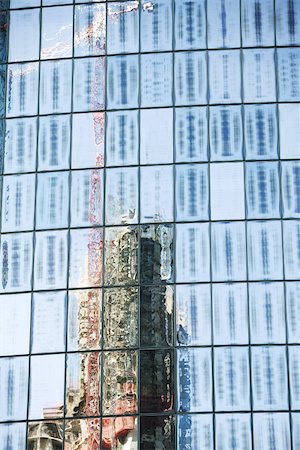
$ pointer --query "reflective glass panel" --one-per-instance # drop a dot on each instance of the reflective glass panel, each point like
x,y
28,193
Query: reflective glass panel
x,y
57,32
293,311
20,145
89,84
3,35
289,130
195,431
287,22
120,432
156,80
156,431
294,355
258,23
156,144
191,134
288,74
24,35
291,244
13,388
81,430
55,86
190,80
122,82
122,138
14,435
24,3
54,142
259,76
89,37
22,89
233,428
291,188
157,194
224,76
190,24
87,198
123,27
269,428
223,23
50,431
156,26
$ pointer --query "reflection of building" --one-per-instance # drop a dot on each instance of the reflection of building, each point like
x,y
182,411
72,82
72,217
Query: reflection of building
x,y
45,435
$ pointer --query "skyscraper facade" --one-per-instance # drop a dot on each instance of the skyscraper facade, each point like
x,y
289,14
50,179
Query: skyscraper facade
x,y
150,232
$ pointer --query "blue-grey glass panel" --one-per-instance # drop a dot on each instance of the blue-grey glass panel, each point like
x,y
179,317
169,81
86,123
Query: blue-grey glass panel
x,y
13,435
156,254
224,76
122,82
269,429
257,23
122,138
55,86
295,419
228,251
233,431
24,31
87,198
88,140
89,84
193,314
157,194
232,379
3,35
14,324
190,24
291,188
16,262
123,27
264,250
156,431
86,248
57,32
89,36
269,378
18,202
191,137
194,388
48,322
121,196
20,145
291,241
156,79
57,2
260,131
2,91
22,90
51,430
192,192
50,263
262,190
226,133
54,143
259,76
223,23
287,22
190,79
227,191
82,306
192,252
195,431
13,388
52,200
156,316
156,381
46,386
121,255
24,3
230,314
156,136
293,311
156,25
120,324
267,313
294,372
289,128
288,74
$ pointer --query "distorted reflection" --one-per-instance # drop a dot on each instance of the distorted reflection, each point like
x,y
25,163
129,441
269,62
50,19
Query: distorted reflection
x,y
157,433
45,435
82,434
119,433
89,38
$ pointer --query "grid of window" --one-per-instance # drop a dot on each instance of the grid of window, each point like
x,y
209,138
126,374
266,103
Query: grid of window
x,y
150,233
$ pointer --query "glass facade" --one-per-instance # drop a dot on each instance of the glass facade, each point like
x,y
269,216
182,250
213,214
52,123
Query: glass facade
x,y
150,225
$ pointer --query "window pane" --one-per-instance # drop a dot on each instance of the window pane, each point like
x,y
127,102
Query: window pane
x,y
156,80
89,38
24,35
123,27
287,22
269,428
233,428
89,84
13,388
291,238
191,134
258,23
291,188
190,24
158,430
120,432
195,431
288,74
190,80
293,311
51,431
259,76
57,32
294,358
225,77
55,86
156,144
223,23
289,127
13,434
122,138
122,82
80,430
20,145
54,142
226,133
22,89
156,26
24,3
87,198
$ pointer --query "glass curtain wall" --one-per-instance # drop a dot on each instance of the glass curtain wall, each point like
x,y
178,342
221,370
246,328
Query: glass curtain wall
x,y
150,232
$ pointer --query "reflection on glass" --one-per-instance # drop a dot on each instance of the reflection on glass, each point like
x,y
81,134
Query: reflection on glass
x,y
3,35
291,188
195,379
195,431
13,434
88,140
225,76
57,32
120,433
83,384
48,322
269,428
156,260
89,38
223,23
20,145
295,419
46,386
288,74
84,319
122,138
24,35
52,200
156,79
24,3
81,434
87,198
22,89
46,434
86,257
291,244
293,311
13,388
258,23
121,317
233,428
226,133
190,80
121,255
294,370
18,202
16,262
289,130
123,27
287,22
156,144
191,134
120,382
259,76
89,84
55,86
156,316
156,380
156,26
14,324
190,24
157,431
54,142
2,92
122,82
